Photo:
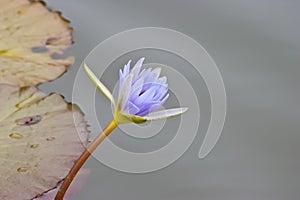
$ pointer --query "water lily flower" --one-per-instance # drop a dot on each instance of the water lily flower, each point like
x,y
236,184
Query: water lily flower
x,y
140,94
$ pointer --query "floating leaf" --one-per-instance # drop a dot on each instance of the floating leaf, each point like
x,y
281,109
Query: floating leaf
x,y
40,138
31,37
79,181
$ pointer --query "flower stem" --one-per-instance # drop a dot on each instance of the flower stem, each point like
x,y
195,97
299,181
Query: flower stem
x,y
83,157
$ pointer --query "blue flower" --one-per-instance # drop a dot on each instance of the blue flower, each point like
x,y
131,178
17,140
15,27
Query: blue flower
x,y
140,93
146,91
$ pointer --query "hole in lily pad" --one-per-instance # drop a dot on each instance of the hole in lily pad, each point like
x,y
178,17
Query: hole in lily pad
x,y
29,120
40,49
57,56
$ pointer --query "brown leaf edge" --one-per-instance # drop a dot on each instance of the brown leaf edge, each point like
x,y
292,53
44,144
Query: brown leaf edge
x,y
67,22
70,107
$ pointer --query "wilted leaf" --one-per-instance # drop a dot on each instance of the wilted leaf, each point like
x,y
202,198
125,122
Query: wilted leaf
x,y
40,138
30,37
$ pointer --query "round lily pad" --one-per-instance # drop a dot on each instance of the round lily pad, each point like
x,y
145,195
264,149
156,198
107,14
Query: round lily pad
x,y
32,38
41,136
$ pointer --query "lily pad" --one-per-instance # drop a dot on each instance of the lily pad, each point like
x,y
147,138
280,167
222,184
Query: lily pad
x,y
41,136
31,39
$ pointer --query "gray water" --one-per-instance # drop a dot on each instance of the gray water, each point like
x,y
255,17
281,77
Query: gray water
x,y
256,46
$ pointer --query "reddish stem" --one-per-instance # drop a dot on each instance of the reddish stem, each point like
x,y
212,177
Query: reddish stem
x,y
83,157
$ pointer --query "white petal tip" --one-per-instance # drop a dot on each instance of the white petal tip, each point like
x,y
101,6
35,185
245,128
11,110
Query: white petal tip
x,y
157,70
165,113
184,109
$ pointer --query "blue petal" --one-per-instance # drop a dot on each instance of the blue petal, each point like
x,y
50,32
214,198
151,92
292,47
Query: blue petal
x,y
137,88
125,93
145,90
127,68
133,109
164,99
162,80
145,109
136,69
146,96
122,76
161,92
145,73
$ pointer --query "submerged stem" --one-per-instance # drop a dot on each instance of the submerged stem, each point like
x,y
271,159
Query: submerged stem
x,y
83,157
